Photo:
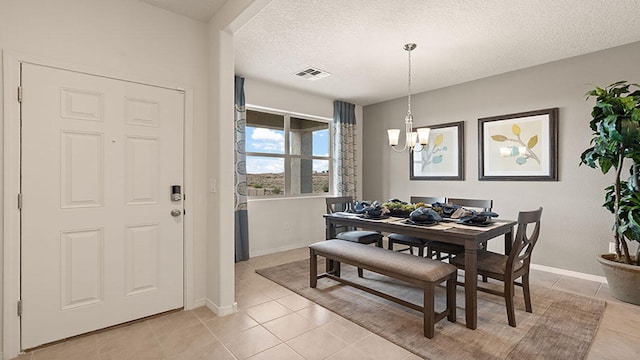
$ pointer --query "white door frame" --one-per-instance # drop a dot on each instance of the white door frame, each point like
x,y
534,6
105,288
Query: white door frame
x,y
11,170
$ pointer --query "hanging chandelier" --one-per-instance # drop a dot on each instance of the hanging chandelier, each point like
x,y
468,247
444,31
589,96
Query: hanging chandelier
x,y
412,138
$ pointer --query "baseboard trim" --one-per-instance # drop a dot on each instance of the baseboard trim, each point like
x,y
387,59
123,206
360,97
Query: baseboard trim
x,y
280,249
575,274
200,302
221,310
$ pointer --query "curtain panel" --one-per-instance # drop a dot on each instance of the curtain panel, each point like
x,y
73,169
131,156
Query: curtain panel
x,y
344,149
240,194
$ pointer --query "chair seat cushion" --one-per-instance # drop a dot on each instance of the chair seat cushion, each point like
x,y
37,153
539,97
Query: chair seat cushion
x,y
487,262
407,240
446,247
360,236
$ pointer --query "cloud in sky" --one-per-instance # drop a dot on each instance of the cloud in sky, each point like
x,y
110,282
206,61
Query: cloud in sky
x,y
320,165
266,140
264,165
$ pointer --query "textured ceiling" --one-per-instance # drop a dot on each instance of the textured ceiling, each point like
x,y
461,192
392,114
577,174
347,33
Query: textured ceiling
x,y
360,42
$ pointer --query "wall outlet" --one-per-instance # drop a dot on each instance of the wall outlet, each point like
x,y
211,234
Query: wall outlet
x,y
213,185
612,247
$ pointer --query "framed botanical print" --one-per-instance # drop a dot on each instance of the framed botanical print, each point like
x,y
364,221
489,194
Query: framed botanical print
x,y
443,156
519,147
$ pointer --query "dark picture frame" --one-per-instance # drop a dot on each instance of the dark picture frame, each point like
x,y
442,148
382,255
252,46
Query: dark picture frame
x,y
519,147
443,158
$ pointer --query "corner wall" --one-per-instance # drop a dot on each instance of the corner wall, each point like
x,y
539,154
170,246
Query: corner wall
x,y
220,269
575,227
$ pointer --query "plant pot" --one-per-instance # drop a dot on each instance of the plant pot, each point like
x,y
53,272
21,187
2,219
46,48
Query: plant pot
x,y
623,279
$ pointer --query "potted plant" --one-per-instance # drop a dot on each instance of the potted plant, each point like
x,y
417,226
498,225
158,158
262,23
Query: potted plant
x,y
616,146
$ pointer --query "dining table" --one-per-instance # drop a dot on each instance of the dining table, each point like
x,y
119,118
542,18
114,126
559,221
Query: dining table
x,y
448,231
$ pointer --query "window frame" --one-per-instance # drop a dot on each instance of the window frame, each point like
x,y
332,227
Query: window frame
x,y
287,156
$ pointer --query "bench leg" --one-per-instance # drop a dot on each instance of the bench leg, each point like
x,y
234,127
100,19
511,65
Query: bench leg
x,y
451,296
429,320
336,268
313,268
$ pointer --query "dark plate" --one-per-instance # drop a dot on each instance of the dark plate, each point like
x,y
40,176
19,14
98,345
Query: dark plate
x,y
428,223
480,224
400,214
365,216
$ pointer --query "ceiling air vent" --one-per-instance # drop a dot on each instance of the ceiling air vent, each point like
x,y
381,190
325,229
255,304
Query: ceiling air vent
x,y
312,74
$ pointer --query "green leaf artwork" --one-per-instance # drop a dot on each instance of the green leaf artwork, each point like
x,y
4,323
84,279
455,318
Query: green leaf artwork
x,y
433,154
517,148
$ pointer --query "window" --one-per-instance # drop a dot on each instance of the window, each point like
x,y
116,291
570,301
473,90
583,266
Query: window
x,y
287,155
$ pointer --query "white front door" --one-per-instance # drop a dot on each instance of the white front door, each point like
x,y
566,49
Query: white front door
x,y
100,245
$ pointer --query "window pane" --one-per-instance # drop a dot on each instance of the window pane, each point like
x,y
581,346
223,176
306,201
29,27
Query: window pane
x,y
265,133
308,137
309,176
321,142
265,176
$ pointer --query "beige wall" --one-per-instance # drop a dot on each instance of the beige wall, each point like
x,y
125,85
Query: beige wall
x,y
575,226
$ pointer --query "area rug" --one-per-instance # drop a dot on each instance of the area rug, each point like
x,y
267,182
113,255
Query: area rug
x,y
562,325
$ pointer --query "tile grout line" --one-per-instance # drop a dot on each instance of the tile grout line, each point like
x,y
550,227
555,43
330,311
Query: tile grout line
x,y
155,336
215,336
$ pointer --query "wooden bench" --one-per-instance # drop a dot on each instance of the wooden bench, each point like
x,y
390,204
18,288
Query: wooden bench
x,y
422,272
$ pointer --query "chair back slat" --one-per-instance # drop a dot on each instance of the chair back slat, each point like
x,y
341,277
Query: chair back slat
x,y
485,205
526,238
428,199
339,203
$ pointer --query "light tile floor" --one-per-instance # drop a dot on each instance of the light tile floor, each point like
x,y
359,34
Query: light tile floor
x,y
275,323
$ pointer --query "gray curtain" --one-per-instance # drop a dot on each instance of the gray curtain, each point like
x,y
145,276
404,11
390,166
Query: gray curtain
x,y
344,149
240,196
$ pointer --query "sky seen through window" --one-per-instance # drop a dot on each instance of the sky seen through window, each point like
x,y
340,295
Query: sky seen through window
x,y
262,140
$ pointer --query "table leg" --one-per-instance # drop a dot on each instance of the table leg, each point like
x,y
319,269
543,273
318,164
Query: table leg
x,y
508,241
330,229
471,283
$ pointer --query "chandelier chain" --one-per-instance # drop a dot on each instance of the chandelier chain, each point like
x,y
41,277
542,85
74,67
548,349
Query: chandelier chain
x,y
409,86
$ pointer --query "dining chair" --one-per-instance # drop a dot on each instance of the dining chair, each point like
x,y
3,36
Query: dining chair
x,y
411,241
437,248
345,203
348,233
508,268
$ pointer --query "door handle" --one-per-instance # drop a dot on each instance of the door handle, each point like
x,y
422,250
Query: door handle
x,y
176,212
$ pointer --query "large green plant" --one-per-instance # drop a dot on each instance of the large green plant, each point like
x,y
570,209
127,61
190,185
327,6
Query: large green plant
x,y
616,145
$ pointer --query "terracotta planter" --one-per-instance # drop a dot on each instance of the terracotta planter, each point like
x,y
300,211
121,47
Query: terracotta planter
x,y
623,279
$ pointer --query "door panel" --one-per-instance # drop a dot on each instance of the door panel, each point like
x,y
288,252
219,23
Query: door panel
x,y
81,271
81,169
99,245
142,170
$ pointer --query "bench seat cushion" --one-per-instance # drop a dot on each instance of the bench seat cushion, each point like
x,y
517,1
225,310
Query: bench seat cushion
x,y
385,261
